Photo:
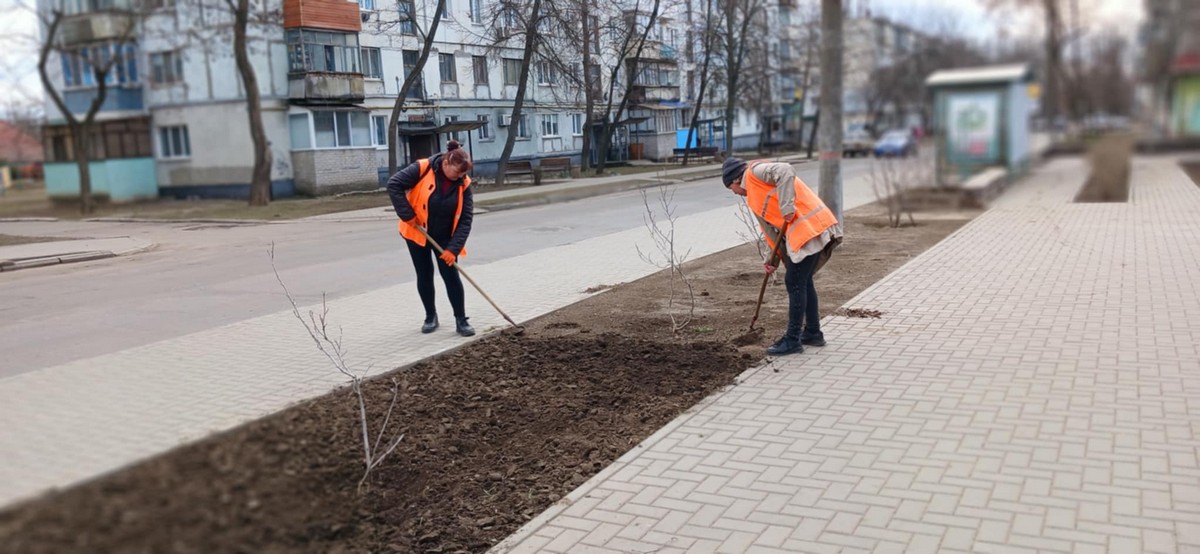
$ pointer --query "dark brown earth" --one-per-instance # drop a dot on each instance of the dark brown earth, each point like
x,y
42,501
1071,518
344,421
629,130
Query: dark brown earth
x,y
494,432
1110,158
1193,170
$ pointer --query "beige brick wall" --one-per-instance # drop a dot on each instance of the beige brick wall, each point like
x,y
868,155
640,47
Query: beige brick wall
x,y
319,172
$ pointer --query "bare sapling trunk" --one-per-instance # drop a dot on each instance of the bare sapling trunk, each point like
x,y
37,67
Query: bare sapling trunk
x,y
317,325
661,225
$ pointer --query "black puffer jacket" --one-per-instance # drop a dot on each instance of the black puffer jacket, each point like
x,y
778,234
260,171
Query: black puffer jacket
x,y
442,204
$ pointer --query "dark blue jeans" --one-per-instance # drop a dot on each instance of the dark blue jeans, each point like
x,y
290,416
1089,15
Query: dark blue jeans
x,y
802,297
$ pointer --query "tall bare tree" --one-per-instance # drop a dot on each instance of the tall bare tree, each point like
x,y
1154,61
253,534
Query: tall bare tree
x,y
630,47
1052,45
532,20
100,69
410,80
830,124
739,15
260,177
708,41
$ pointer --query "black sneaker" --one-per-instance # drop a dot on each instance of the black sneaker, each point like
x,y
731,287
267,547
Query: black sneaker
x,y
783,346
430,325
463,328
812,340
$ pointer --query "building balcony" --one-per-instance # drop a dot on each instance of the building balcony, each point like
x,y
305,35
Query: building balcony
x,y
95,27
334,15
654,93
116,98
325,88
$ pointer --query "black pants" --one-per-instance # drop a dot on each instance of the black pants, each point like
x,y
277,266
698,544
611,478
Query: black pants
x,y
423,259
802,297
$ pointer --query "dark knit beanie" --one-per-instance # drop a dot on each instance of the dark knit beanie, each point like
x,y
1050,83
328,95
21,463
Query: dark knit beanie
x,y
732,170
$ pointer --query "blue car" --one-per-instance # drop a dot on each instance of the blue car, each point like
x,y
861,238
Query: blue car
x,y
895,144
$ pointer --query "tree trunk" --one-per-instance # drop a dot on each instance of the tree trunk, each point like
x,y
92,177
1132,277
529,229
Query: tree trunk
x,y
606,134
531,43
830,120
82,159
409,80
260,179
1052,97
589,93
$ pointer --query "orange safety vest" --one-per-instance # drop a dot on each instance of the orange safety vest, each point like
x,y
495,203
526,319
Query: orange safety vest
x,y
418,198
812,216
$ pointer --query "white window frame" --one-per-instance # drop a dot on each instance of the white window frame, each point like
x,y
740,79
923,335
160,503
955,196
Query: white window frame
x,y
475,9
516,77
453,66
379,124
365,52
453,135
522,126
349,119
168,143
366,5
485,132
547,74
577,125
172,67
550,125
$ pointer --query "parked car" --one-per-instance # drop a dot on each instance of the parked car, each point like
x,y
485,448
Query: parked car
x,y
895,143
856,143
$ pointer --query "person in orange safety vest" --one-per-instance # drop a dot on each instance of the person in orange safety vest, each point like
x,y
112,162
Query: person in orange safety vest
x,y
434,194
784,205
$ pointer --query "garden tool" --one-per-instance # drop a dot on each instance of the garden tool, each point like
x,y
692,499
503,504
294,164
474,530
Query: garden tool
x,y
775,254
519,329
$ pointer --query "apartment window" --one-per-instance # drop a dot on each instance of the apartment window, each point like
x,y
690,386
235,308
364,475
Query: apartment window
x,y
479,65
416,91
476,9
299,132
332,52
510,19
166,67
577,124
110,140
485,132
173,142
550,125
366,5
342,129
372,63
446,65
79,71
445,14
407,16
381,124
547,73
512,71
451,119
523,127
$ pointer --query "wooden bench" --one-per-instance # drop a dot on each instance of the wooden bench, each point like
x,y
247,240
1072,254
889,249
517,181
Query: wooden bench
x,y
698,152
559,165
518,168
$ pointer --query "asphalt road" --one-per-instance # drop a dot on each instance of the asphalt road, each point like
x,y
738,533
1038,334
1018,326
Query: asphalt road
x,y
202,276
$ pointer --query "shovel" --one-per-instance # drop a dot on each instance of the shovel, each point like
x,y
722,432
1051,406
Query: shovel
x,y
774,254
520,329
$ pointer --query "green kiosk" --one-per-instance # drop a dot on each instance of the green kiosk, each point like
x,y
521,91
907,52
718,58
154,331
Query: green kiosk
x,y
981,121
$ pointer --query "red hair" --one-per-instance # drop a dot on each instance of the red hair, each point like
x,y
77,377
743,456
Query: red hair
x,y
457,157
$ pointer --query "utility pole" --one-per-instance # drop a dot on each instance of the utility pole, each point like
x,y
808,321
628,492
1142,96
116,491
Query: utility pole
x,y
830,120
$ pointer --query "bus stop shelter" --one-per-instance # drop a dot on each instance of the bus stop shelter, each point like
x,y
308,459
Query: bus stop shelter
x,y
981,120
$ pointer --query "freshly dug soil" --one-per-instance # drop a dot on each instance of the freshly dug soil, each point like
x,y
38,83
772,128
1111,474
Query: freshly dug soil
x,y
493,433
1193,171
1109,179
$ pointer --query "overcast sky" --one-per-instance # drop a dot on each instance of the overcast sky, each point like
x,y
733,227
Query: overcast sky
x,y
18,29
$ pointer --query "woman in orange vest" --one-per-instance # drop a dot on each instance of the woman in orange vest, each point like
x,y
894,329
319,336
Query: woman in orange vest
x,y
784,205
435,195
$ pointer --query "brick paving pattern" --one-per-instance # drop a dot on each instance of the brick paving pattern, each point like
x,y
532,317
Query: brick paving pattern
x,y
1033,386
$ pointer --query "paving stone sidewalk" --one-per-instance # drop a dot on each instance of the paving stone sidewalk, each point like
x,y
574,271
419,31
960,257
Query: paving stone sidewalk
x,y
1033,386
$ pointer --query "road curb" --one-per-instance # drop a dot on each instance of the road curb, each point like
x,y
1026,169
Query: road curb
x,y
68,258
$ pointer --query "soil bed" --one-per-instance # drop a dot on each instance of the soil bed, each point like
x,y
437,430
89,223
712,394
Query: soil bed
x,y
495,432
